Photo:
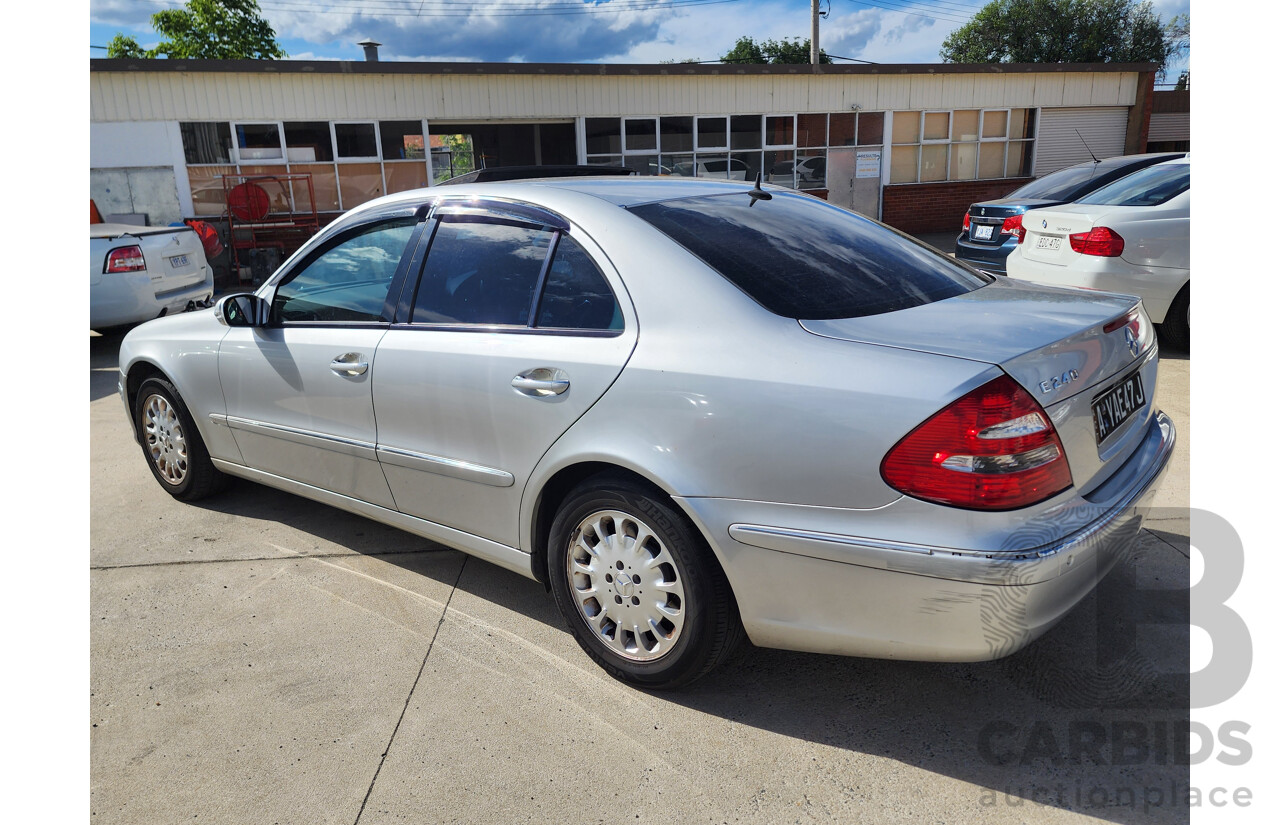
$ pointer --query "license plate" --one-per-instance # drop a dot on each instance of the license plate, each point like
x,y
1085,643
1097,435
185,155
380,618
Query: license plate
x,y
1117,405
179,261
1046,242
982,233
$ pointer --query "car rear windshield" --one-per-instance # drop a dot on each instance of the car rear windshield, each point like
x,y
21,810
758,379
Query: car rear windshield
x,y
803,258
1060,184
1150,187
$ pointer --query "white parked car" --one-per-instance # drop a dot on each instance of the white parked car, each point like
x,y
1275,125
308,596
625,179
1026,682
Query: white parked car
x,y
137,273
727,168
1132,236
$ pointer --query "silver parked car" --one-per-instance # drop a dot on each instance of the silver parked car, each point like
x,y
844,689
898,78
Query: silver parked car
x,y
692,409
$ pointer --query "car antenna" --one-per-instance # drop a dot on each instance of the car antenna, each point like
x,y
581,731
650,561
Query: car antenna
x,y
1086,147
758,194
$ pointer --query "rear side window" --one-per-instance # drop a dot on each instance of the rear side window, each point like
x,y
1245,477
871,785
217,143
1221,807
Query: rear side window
x,y
576,295
803,258
481,273
1150,187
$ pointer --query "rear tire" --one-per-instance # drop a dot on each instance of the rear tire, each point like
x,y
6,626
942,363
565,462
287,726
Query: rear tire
x,y
172,444
640,589
1176,329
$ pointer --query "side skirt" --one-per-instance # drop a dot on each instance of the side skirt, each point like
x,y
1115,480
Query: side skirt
x,y
510,558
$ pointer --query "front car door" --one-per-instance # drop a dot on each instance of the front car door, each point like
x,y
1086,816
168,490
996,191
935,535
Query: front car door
x,y
517,326
298,391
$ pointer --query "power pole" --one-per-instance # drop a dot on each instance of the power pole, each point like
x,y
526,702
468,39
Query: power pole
x,y
813,35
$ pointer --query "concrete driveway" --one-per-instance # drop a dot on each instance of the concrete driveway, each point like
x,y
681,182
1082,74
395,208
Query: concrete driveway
x,y
258,658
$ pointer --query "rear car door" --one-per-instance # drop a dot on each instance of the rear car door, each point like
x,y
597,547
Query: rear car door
x,y
516,327
298,391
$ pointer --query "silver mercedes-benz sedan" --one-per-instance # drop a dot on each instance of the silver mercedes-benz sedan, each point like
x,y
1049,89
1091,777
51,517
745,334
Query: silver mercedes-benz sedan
x,y
694,410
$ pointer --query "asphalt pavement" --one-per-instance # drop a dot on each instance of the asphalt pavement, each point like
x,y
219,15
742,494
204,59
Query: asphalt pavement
x,y
259,658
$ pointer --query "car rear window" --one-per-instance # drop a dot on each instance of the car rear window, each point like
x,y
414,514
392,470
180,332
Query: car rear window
x,y
803,258
1150,187
1058,185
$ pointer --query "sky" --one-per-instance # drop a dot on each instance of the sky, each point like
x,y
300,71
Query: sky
x,y
571,31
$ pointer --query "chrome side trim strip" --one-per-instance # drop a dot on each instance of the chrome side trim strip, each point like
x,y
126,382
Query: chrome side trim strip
x,y
333,443
760,536
509,558
451,467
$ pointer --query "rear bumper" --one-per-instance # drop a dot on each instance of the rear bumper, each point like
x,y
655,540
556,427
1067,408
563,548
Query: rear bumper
x,y
131,298
984,256
800,589
1156,286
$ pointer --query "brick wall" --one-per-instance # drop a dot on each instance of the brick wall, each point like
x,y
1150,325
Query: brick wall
x,y
939,207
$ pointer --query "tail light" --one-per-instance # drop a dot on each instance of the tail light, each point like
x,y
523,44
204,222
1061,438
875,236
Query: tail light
x,y
965,227
1098,241
993,449
125,259
1013,226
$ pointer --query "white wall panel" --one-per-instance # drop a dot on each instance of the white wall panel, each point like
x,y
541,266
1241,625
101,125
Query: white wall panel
x,y
150,96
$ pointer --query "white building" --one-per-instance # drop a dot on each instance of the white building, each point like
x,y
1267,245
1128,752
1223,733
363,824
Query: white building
x,y
913,145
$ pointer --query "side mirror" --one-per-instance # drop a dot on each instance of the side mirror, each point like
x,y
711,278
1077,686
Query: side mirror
x,y
242,310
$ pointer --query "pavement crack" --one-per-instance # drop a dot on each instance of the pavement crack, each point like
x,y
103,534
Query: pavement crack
x,y
421,668
263,558
1163,540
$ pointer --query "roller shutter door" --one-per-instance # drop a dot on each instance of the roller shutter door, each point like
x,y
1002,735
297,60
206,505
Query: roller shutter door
x,y
1058,146
1170,126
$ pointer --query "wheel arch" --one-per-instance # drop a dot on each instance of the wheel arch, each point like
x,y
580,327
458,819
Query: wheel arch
x,y
551,494
137,373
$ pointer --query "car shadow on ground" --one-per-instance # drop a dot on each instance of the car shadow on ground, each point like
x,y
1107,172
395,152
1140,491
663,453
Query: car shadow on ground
x,y
104,358
1089,718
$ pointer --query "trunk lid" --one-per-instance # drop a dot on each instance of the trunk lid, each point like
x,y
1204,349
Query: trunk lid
x,y
985,219
1048,230
1051,341
174,255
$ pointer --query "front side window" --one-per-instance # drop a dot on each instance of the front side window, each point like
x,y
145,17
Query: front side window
x,y
349,281
481,272
803,258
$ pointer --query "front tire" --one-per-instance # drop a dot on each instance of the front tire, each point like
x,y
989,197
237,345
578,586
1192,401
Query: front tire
x,y
172,445
640,589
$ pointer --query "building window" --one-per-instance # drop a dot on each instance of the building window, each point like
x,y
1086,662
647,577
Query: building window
x,y
816,135
736,147
258,141
206,142
964,144
356,141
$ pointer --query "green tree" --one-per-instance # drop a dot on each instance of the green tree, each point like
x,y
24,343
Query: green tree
x,y
1067,31
786,50
207,30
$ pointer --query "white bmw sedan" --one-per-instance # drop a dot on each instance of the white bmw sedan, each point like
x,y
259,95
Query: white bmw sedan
x,y
694,410
1132,236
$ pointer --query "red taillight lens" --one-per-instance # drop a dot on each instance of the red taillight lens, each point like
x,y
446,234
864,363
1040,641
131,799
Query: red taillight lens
x,y
126,259
1098,241
965,227
1013,226
993,449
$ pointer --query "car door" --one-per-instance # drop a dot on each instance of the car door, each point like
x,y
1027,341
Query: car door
x,y
516,327
298,392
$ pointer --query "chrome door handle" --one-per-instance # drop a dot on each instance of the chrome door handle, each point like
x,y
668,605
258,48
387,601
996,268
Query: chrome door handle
x,y
541,382
352,363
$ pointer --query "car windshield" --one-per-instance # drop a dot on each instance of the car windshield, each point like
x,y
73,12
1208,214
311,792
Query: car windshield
x,y
803,258
1150,187
1058,185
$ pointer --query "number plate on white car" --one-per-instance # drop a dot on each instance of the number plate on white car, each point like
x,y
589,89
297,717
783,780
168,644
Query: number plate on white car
x,y
1117,405
1046,242
981,233
179,261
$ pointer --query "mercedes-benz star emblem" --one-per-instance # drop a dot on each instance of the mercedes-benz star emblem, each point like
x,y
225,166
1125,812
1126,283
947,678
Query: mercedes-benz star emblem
x,y
1132,341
